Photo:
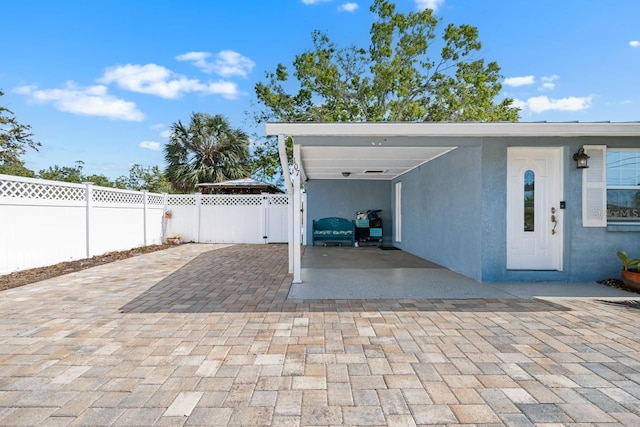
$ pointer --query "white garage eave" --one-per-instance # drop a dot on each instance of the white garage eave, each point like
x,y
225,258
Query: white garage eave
x,y
385,150
427,129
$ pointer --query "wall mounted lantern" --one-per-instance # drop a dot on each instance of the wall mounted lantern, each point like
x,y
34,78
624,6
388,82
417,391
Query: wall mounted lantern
x,y
581,159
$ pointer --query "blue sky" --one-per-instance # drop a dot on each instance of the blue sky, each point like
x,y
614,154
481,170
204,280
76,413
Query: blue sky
x,y
102,81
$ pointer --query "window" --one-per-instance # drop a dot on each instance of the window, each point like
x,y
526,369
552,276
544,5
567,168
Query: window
x,y
529,200
623,185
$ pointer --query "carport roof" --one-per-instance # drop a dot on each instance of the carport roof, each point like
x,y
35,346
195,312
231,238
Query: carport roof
x,y
384,150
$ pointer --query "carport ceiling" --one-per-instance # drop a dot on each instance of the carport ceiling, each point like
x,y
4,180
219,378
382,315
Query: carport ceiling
x,y
364,162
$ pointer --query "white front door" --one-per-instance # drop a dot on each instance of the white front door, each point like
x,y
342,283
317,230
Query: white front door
x,y
534,217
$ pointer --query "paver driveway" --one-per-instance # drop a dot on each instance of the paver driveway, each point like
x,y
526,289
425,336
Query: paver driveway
x,y
204,335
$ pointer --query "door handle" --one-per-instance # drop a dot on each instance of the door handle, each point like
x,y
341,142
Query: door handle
x,y
554,220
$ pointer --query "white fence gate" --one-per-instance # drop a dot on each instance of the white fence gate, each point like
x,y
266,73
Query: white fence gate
x,y
45,222
255,218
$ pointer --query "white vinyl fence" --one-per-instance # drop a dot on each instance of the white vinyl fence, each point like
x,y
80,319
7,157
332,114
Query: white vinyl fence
x,y
45,222
252,218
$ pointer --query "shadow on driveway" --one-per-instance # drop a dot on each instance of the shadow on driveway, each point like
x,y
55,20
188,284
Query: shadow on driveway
x,y
253,278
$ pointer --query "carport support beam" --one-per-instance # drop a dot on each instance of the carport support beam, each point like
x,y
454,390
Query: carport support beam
x,y
284,162
297,216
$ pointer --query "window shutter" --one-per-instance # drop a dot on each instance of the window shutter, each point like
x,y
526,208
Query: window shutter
x,y
594,187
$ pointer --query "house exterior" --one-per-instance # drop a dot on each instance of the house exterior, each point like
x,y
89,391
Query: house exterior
x,y
497,202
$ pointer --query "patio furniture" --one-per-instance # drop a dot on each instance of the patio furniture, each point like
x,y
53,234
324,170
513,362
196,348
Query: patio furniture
x,y
333,230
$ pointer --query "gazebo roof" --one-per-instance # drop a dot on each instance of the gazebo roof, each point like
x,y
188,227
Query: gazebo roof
x,y
244,185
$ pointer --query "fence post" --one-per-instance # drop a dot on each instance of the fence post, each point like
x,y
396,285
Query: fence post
x,y
165,208
265,218
89,200
198,197
145,195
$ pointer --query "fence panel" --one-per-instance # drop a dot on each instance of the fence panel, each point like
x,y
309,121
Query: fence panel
x,y
183,219
41,223
231,219
45,222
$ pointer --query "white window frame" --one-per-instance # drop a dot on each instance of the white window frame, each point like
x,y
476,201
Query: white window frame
x,y
622,187
594,188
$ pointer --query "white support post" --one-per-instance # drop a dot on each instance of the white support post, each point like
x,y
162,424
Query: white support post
x,y
89,200
282,151
297,216
145,197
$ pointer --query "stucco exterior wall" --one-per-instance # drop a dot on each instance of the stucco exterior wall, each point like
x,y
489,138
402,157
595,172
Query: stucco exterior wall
x,y
589,253
592,251
344,197
442,211
454,212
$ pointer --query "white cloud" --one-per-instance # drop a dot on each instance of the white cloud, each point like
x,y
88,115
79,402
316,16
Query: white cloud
x,y
228,90
166,133
87,101
150,145
227,63
348,7
541,104
548,82
314,1
429,4
634,43
25,90
519,81
153,79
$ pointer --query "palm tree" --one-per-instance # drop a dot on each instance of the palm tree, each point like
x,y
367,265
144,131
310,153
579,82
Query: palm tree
x,y
208,150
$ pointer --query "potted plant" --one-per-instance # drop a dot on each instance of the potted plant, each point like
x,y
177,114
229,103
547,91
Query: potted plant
x,y
174,239
630,271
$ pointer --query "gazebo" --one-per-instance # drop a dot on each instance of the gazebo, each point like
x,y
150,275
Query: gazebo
x,y
239,186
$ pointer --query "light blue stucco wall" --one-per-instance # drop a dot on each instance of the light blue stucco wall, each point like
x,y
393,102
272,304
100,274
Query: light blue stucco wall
x,y
442,211
344,197
454,212
589,253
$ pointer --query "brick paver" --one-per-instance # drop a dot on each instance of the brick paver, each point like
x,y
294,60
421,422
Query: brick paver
x,y
205,335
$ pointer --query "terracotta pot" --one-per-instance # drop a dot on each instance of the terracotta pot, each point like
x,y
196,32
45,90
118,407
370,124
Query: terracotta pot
x,y
631,279
173,240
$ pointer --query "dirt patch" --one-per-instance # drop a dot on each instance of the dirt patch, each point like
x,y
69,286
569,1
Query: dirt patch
x,y
33,275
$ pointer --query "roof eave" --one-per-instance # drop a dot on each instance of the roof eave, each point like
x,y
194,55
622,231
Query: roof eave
x,y
430,129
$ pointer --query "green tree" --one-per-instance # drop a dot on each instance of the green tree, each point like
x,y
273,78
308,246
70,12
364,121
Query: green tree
x,y
265,160
74,174
64,173
208,150
16,168
396,78
99,180
145,178
15,139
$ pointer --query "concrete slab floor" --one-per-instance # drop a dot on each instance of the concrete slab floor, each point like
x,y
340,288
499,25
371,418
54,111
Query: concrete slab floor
x,y
372,273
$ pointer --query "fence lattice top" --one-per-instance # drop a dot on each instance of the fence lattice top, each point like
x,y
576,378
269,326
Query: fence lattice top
x,y
231,200
40,189
32,189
